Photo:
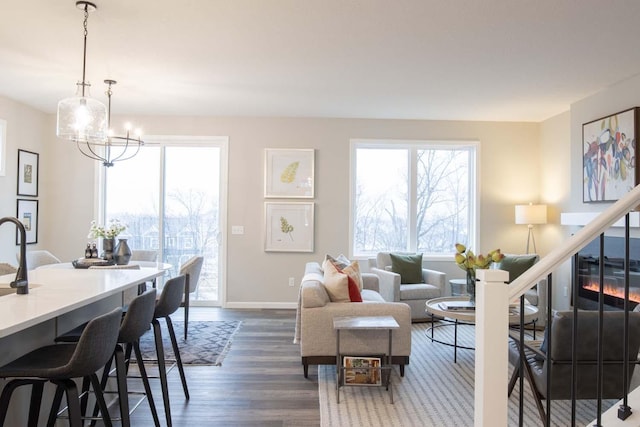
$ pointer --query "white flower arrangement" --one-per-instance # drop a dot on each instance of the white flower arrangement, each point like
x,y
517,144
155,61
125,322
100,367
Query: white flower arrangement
x,y
115,228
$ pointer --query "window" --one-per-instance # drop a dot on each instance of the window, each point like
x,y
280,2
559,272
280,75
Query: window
x,y
417,196
171,195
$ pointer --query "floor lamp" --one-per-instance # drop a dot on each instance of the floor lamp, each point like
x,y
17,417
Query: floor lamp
x,y
530,215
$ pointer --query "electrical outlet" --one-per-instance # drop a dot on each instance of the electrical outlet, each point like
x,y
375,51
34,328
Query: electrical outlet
x,y
292,281
566,291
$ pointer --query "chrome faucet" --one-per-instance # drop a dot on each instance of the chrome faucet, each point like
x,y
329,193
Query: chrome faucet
x,y
20,283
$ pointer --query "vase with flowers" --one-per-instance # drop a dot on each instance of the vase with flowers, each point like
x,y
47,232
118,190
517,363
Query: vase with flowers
x,y
108,235
470,262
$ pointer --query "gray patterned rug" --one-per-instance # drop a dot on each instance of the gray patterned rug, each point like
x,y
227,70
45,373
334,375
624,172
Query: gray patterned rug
x,y
207,343
434,392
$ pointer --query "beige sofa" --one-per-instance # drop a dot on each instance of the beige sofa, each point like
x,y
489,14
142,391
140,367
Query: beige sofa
x,y
314,323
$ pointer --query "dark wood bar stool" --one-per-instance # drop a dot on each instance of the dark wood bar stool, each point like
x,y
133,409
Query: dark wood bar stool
x,y
59,364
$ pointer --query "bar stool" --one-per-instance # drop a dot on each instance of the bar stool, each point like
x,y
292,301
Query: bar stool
x,y
167,304
59,364
135,323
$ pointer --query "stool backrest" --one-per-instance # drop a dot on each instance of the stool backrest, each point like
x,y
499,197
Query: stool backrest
x,y
94,348
138,318
171,296
192,268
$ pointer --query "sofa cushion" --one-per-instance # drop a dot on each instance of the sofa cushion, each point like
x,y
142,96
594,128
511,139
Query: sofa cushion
x,y
351,268
420,291
313,294
517,264
371,296
409,267
339,285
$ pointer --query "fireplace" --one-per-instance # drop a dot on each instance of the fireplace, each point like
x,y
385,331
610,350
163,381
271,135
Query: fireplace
x,y
588,281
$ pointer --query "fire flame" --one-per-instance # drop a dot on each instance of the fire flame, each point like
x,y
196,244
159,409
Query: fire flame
x,y
614,291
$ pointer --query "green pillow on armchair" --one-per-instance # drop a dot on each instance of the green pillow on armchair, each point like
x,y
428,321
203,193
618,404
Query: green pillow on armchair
x,y
517,264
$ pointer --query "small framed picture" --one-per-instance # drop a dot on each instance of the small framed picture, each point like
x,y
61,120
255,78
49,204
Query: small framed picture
x,y
288,227
289,173
28,215
28,173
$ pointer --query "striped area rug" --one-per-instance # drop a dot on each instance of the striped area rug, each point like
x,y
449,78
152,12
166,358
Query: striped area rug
x,y
434,392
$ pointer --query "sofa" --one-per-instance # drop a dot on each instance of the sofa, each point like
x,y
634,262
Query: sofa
x,y
392,288
314,323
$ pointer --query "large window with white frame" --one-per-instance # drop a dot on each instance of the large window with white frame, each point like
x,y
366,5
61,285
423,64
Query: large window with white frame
x,y
172,197
417,196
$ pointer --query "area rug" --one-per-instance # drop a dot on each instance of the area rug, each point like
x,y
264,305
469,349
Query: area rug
x,y
207,342
434,392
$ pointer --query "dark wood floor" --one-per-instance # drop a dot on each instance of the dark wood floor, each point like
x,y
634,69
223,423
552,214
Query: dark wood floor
x,y
260,382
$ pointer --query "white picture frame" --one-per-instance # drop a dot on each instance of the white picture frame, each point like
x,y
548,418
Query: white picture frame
x,y
289,226
289,173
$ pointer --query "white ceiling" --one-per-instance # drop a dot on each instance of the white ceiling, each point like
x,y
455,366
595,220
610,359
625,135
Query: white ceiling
x,y
506,60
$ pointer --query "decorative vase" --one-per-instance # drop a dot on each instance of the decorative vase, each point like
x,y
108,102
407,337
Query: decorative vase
x,y
122,252
107,248
471,286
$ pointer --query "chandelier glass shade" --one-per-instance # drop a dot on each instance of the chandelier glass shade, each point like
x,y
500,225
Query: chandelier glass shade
x,y
82,118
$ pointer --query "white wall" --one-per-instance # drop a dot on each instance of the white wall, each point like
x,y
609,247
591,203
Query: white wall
x,y
509,168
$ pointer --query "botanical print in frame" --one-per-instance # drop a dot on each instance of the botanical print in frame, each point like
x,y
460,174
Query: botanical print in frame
x,y
289,173
288,226
27,214
610,165
28,173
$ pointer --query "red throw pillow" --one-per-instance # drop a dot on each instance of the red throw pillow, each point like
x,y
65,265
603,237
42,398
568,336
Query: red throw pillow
x,y
354,290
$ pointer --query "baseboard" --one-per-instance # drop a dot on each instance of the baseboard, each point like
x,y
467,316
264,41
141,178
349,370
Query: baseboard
x,y
262,305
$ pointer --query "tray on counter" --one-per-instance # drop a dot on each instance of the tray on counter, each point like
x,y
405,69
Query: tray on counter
x,y
88,262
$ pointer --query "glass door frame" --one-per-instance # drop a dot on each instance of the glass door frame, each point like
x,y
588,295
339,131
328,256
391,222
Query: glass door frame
x,y
163,141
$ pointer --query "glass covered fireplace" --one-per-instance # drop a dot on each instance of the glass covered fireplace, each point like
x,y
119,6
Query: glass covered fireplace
x,y
588,271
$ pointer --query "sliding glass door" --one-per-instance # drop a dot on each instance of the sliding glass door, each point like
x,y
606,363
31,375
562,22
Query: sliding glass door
x,y
171,197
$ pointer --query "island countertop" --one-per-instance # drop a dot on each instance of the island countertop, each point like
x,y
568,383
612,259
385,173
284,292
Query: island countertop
x,y
54,292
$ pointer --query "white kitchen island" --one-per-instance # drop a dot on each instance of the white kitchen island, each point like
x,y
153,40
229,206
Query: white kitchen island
x,y
58,301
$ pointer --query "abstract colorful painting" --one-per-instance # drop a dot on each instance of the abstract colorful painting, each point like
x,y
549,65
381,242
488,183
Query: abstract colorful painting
x,y
609,161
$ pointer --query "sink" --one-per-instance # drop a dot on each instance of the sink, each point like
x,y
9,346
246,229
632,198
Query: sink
x,y
5,289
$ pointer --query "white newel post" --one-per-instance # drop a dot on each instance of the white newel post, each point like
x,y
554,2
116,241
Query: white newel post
x,y
492,362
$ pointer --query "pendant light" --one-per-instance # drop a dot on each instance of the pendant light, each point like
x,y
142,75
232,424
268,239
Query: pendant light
x,y
82,118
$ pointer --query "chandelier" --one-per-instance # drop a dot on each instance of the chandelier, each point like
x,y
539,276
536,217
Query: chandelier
x,y
114,148
86,121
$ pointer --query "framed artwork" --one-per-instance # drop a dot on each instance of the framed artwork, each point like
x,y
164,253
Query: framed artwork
x,y
3,147
609,160
28,173
28,216
288,226
289,173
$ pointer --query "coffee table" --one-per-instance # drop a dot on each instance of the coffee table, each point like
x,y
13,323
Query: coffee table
x,y
437,307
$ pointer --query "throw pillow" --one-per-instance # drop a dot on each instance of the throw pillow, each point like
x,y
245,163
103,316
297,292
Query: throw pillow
x,y
351,268
517,264
339,286
409,267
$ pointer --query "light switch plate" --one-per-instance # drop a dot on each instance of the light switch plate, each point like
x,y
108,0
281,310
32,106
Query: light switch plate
x,y
237,229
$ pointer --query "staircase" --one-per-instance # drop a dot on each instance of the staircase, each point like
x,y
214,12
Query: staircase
x,y
493,298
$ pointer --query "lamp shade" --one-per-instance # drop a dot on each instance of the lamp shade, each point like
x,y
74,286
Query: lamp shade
x,y
531,214
81,118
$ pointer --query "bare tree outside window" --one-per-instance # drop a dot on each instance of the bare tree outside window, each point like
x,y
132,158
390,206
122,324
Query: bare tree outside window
x,y
396,181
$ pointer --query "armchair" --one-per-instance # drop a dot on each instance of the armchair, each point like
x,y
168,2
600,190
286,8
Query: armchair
x,y
515,265
537,362
414,294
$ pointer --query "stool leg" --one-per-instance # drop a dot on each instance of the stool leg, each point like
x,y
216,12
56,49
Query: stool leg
x,y
36,401
176,351
8,390
104,410
145,381
55,405
123,394
162,370
71,390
